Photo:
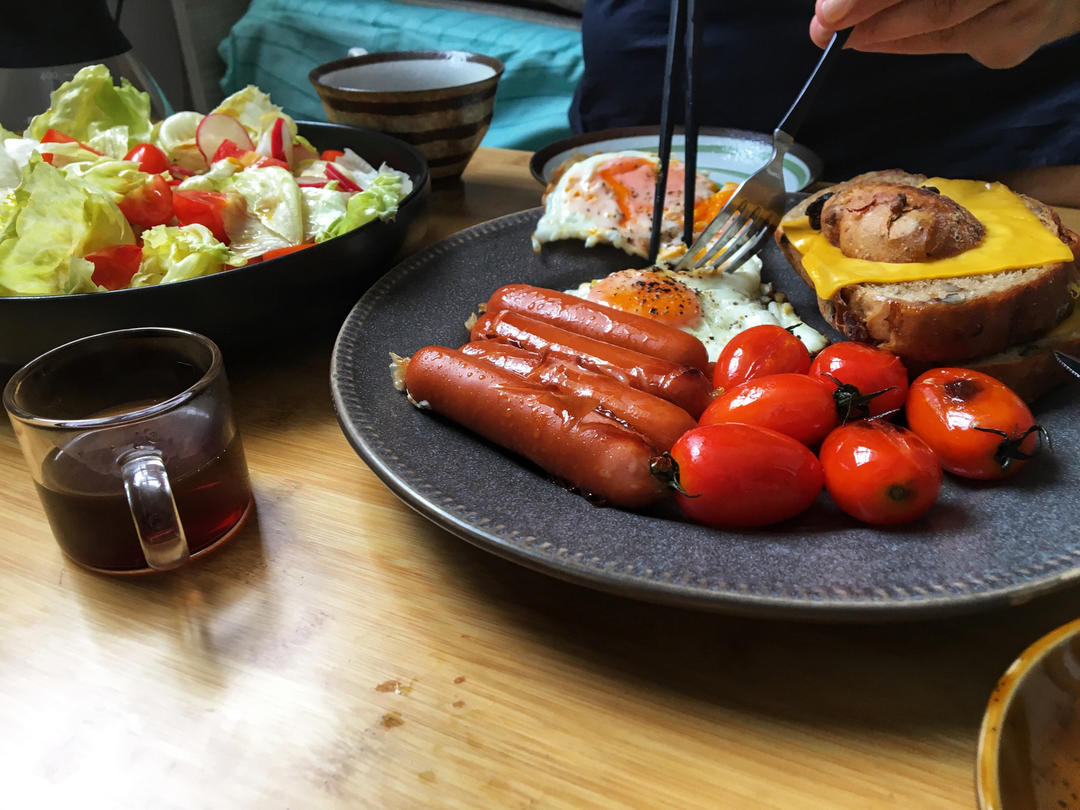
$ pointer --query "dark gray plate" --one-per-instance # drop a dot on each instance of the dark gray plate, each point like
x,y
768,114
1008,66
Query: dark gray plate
x,y
246,308
980,545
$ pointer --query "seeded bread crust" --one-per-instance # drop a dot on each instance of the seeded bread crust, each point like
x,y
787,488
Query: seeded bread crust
x,y
952,320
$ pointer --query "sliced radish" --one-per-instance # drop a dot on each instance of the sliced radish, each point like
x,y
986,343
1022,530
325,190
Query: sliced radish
x,y
215,129
345,183
279,140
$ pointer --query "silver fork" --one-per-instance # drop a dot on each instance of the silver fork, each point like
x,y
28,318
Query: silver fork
x,y
736,233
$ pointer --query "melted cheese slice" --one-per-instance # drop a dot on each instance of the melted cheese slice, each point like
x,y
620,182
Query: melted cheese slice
x,y
1015,238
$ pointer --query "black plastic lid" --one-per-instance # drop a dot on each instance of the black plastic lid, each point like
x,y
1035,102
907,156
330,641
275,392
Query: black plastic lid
x,y
59,32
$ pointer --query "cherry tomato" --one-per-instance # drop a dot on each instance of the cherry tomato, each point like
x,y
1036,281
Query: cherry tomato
x,y
202,208
150,204
115,265
793,404
285,251
978,426
736,475
757,351
150,159
56,136
880,473
869,371
228,149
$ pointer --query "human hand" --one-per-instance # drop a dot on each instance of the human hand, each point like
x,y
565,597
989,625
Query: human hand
x,y
996,33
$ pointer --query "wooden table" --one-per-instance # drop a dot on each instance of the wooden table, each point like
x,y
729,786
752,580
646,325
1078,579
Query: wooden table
x,y
342,651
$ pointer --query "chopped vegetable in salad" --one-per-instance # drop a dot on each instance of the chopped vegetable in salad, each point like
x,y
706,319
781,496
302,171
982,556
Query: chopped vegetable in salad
x,y
94,196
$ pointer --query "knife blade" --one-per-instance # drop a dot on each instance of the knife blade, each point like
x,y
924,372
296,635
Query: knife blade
x,y
1068,362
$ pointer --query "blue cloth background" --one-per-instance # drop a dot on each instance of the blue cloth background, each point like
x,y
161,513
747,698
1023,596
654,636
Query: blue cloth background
x,y
277,42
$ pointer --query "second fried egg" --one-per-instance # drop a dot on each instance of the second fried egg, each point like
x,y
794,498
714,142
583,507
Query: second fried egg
x,y
608,198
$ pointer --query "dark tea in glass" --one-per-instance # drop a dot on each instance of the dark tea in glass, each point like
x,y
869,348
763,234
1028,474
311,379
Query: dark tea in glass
x,y
133,448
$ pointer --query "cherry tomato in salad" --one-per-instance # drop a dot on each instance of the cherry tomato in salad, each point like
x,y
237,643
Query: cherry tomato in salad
x,y
793,404
757,351
734,475
56,136
880,473
285,251
978,426
150,159
877,379
115,266
150,204
330,155
202,208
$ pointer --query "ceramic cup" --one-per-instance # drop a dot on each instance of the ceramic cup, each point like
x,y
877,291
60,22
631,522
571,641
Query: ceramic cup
x,y
441,102
1029,743
130,439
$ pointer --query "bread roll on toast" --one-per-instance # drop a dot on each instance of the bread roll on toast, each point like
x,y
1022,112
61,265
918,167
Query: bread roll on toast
x,y
999,322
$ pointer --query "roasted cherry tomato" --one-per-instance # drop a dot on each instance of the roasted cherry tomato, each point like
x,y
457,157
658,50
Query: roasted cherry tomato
x,y
736,475
877,380
150,159
114,266
880,473
757,351
202,208
978,426
150,204
793,404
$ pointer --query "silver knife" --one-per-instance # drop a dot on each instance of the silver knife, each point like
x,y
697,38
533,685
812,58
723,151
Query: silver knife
x,y
1070,363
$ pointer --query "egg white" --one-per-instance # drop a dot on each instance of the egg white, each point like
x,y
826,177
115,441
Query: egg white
x,y
582,205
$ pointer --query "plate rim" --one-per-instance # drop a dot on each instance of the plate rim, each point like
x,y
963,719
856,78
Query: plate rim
x,y
548,561
541,156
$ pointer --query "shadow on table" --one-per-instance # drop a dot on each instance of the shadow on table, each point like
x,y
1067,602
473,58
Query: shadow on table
x,y
926,676
188,614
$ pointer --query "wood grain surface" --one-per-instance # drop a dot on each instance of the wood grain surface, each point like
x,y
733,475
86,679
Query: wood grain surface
x,y
342,652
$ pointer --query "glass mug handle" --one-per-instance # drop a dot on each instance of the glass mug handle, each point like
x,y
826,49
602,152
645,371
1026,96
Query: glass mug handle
x,y
153,508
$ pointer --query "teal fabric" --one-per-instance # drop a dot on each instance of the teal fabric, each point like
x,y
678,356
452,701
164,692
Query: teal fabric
x,y
277,42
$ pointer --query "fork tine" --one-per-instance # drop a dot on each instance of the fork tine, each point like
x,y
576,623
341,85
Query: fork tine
x,y
734,227
734,261
719,224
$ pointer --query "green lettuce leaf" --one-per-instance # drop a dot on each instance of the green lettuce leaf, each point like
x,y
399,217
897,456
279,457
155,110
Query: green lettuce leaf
x,y
46,225
91,109
175,254
379,200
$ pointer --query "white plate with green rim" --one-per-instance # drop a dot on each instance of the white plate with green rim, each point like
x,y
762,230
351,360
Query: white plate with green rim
x,y
724,154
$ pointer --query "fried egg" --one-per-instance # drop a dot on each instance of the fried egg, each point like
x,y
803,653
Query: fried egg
x,y
711,306
607,198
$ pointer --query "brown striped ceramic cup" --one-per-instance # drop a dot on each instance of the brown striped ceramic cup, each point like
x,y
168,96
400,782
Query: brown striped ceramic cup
x,y
439,101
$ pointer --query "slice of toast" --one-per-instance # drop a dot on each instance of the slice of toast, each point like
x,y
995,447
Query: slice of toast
x,y
951,320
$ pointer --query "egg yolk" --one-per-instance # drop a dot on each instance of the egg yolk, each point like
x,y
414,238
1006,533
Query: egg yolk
x,y
632,180
646,292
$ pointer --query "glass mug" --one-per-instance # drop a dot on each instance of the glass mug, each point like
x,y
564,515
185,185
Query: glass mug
x,y
131,442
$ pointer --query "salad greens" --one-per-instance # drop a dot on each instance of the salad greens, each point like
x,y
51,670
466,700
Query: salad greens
x,y
94,196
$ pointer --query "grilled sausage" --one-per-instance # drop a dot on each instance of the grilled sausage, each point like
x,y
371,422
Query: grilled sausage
x,y
589,451
602,322
659,421
686,386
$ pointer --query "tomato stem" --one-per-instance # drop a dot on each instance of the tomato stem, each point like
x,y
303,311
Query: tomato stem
x,y
1009,450
851,403
666,469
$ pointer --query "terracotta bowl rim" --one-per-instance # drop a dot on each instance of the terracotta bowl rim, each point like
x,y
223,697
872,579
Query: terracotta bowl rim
x,y
1005,691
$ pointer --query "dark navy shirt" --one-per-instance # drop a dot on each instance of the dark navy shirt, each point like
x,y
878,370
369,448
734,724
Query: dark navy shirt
x,y
937,114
